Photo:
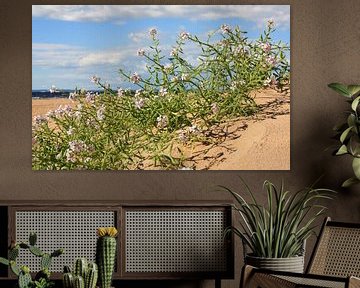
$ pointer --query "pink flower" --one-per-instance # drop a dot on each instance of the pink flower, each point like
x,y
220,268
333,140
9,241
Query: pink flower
x,y
168,68
215,108
271,81
183,137
194,129
77,146
163,91
40,119
271,60
95,79
141,52
51,114
70,156
225,29
100,113
90,97
184,35
174,52
152,32
139,103
120,92
271,23
162,121
70,131
184,77
266,47
67,109
135,78
138,92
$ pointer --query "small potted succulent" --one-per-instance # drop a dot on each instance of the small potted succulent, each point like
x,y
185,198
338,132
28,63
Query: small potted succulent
x,y
349,131
274,234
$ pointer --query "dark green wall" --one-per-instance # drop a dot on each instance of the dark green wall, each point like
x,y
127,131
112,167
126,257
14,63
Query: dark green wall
x,y
325,47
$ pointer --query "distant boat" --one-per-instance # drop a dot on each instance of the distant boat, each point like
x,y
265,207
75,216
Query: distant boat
x,y
53,89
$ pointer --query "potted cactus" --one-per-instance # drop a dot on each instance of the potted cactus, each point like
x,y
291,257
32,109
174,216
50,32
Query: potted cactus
x,y
84,275
42,278
106,254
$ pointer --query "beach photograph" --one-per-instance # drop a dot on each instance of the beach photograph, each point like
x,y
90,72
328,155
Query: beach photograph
x,y
176,87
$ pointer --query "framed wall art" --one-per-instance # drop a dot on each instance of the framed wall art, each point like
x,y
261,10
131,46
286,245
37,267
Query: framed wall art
x,y
161,87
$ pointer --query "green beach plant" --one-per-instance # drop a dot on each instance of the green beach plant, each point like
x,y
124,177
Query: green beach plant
x,y
280,228
177,104
348,132
42,278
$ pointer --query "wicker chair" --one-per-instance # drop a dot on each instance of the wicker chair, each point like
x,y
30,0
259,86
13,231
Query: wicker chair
x,y
334,263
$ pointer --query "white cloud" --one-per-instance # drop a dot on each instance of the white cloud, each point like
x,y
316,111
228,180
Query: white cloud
x,y
120,13
62,55
138,37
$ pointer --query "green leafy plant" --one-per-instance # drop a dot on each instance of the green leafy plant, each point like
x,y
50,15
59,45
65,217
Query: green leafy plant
x,y
178,103
280,228
42,278
349,131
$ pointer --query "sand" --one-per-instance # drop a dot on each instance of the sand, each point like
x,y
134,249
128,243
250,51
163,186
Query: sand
x,y
41,106
260,142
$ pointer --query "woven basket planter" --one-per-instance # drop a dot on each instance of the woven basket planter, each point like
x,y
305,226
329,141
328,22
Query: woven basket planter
x,y
291,264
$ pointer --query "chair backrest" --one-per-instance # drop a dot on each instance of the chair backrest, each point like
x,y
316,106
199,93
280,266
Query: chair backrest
x,y
337,251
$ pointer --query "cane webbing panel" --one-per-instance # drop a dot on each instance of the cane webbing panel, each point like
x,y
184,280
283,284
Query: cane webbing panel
x,y
74,231
267,280
313,282
175,241
338,252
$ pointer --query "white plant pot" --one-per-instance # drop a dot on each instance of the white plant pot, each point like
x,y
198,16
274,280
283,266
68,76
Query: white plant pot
x,y
291,264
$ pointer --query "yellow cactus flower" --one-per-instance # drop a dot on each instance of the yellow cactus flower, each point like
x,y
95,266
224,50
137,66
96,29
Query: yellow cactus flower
x,y
106,231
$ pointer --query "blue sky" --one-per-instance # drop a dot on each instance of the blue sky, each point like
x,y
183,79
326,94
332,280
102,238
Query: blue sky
x,y
70,43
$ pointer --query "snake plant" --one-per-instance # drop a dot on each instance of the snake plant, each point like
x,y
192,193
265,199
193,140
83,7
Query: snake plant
x,y
279,228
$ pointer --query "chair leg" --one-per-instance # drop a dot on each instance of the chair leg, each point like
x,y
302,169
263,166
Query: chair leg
x,y
217,283
246,274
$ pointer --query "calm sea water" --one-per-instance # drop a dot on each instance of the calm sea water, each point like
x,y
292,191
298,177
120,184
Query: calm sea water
x,y
47,94
36,94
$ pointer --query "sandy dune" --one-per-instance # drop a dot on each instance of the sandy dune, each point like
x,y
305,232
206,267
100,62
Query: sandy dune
x,y
41,106
261,142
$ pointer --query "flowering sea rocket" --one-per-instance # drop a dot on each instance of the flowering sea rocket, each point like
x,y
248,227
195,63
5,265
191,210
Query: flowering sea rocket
x,y
184,35
225,29
135,78
100,113
139,102
120,92
162,121
179,101
163,91
141,52
152,32
95,79
174,52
